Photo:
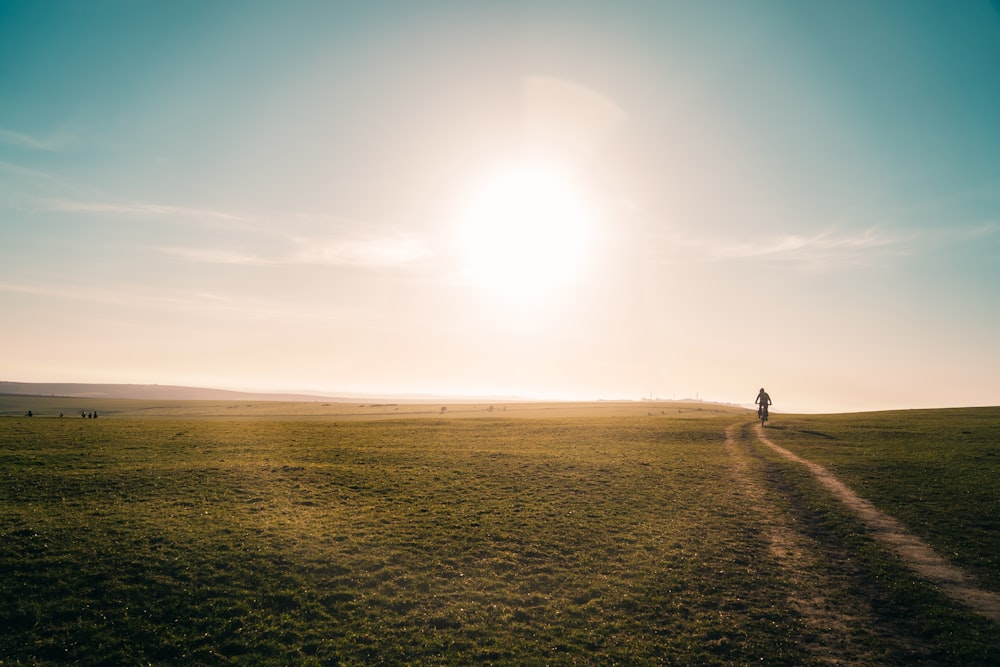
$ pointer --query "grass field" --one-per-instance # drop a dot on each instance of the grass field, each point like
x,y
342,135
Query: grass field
x,y
531,535
935,470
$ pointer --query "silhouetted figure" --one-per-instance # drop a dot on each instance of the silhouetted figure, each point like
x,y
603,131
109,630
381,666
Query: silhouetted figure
x,y
763,400
30,414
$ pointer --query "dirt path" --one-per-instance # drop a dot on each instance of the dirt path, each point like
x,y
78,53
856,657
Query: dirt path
x,y
955,583
836,618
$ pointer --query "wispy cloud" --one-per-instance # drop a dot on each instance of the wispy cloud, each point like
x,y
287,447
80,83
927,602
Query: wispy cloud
x,y
284,239
284,225
12,168
131,297
81,294
824,250
145,210
217,256
983,230
384,251
829,250
25,141
825,246
370,252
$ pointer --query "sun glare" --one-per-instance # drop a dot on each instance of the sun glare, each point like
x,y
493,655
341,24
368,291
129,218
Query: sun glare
x,y
525,230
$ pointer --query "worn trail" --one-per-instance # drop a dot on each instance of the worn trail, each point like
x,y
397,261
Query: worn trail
x,y
955,583
835,617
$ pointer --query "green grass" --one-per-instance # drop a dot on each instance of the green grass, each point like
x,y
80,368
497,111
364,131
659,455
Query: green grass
x,y
935,470
613,540
916,623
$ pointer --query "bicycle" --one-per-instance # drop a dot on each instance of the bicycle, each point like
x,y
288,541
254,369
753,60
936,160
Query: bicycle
x,y
762,414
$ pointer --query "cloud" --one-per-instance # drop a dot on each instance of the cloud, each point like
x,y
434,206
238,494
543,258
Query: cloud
x,y
362,253
284,247
217,256
824,250
25,141
985,229
132,297
825,245
828,250
386,251
24,171
146,210
83,294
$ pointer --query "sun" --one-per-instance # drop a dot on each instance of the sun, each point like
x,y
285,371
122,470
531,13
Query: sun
x,y
525,230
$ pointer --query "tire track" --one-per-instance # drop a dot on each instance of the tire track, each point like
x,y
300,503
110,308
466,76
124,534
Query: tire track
x,y
955,583
832,615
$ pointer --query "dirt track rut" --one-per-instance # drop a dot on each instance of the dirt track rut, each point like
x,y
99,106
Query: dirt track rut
x,y
835,617
955,583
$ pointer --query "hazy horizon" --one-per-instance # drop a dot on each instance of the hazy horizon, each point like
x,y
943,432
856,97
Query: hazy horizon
x,y
562,201
21,388
295,393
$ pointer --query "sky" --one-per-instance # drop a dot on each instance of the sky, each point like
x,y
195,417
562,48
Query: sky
x,y
556,200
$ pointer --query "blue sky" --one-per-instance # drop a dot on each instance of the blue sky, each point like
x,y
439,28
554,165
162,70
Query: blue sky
x,y
549,199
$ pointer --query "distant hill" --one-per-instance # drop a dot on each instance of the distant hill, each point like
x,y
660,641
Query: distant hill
x,y
163,392
143,391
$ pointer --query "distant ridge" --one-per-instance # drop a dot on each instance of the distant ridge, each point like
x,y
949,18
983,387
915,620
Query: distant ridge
x,y
164,392
144,391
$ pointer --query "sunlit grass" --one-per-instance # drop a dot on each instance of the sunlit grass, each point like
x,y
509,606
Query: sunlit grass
x,y
935,470
448,541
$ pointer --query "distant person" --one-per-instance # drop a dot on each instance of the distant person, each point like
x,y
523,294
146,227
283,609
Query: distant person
x,y
763,400
30,413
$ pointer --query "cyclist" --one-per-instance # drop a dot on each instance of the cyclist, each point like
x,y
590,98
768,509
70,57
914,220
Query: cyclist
x,y
763,400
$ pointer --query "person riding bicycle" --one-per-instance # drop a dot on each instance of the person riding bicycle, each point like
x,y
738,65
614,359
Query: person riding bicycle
x,y
763,400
